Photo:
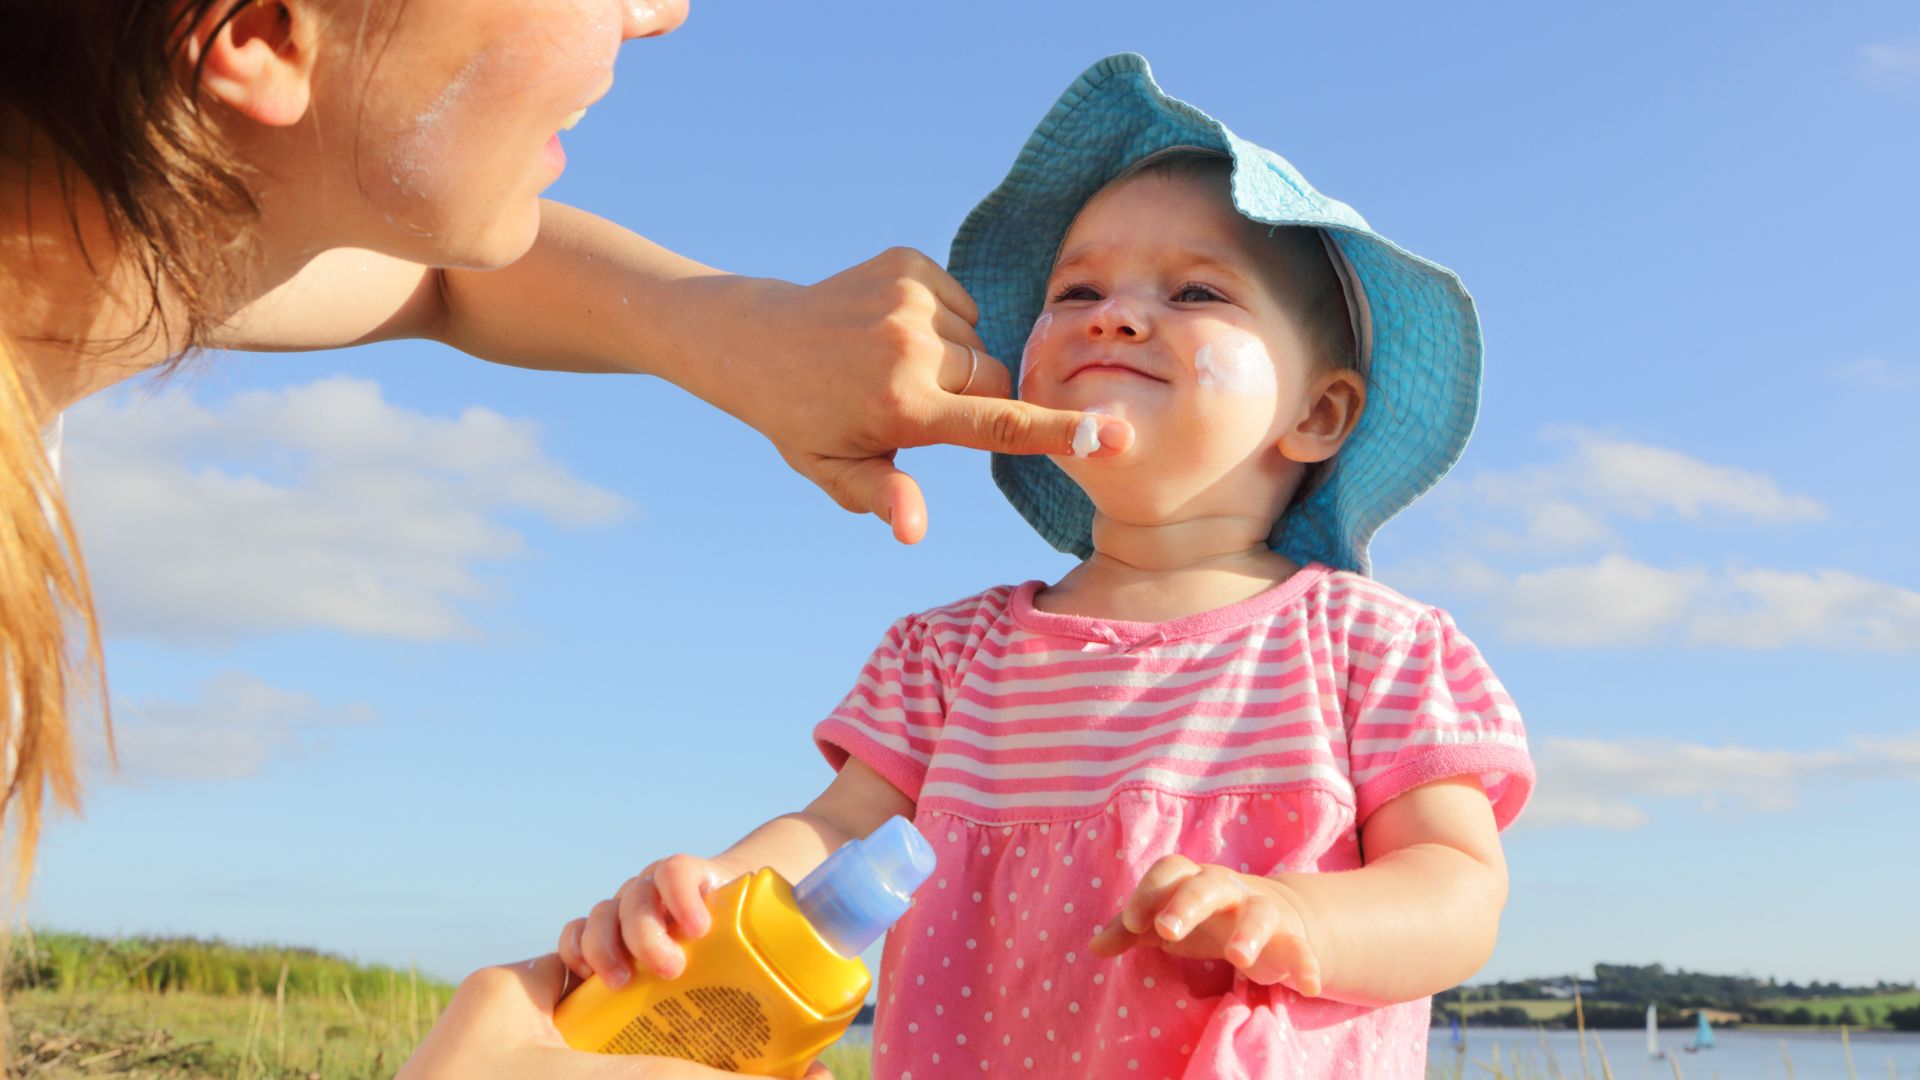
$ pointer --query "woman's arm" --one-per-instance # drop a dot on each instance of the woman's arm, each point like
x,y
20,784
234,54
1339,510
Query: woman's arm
x,y
1421,916
839,375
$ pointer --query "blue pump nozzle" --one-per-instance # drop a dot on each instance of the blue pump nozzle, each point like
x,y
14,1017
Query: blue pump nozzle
x,y
866,886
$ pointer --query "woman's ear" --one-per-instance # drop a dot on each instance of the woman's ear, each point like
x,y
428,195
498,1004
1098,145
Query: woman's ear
x,y
258,62
1334,407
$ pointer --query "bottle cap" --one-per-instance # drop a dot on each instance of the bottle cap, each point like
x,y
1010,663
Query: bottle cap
x,y
866,886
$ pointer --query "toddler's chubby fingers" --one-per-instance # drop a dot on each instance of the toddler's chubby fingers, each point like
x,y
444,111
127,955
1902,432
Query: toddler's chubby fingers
x,y
1207,892
683,883
1114,939
600,944
642,927
1246,949
1156,886
1288,959
569,948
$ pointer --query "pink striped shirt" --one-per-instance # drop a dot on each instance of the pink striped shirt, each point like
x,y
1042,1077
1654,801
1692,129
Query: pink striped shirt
x,y
1053,758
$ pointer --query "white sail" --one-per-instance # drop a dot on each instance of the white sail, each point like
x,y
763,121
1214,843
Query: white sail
x,y
1653,1034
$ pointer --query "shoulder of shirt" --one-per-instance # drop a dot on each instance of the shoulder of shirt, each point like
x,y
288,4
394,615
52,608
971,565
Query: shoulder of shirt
x,y
1360,604
983,607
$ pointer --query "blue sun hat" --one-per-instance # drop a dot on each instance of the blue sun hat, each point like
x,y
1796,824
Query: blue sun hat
x,y
1416,327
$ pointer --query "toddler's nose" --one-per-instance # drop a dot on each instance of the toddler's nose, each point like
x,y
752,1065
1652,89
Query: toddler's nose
x,y
1113,318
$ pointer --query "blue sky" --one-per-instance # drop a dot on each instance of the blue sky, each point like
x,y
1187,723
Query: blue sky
x,y
414,657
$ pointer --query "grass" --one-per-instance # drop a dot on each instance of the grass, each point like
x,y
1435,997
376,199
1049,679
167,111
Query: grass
x,y
180,1007
183,1008
1826,1008
1539,1010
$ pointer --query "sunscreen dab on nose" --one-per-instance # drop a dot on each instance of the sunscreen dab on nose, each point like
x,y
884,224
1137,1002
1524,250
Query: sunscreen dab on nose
x,y
778,977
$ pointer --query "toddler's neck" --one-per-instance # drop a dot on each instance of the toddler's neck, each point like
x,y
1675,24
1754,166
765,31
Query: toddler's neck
x,y
1155,573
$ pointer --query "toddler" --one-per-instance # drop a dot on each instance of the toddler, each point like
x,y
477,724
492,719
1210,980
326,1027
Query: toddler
x,y
1216,803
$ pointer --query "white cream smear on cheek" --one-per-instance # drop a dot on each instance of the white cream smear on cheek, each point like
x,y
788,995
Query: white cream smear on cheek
x,y
1235,363
1034,337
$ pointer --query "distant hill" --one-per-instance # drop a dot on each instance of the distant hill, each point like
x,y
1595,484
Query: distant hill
x,y
1618,995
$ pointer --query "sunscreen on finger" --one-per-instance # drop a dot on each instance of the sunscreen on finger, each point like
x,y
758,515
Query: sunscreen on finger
x,y
778,977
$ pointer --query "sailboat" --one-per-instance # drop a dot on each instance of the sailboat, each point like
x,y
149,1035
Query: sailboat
x,y
1457,1041
1702,1035
1653,1036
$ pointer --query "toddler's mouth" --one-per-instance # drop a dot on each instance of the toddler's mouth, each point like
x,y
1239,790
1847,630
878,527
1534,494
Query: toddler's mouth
x,y
1107,365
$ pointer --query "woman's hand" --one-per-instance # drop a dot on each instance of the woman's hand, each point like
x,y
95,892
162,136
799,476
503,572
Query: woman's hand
x,y
635,924
499,1026
842,374
1210,912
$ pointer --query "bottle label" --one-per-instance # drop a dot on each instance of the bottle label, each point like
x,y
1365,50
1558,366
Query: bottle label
x,y
723,1027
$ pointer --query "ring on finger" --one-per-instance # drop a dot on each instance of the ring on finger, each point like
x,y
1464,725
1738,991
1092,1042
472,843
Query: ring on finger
x,y
973,368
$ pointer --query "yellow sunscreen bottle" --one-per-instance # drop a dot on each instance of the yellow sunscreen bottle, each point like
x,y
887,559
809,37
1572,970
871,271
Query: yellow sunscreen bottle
x,y
777,978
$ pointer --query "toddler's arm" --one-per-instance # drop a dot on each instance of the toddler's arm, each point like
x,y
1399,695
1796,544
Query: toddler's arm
x,y
1421,916
672,893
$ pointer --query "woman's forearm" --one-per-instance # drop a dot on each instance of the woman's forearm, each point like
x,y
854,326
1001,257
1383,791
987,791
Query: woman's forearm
x,y
1414,922
590,296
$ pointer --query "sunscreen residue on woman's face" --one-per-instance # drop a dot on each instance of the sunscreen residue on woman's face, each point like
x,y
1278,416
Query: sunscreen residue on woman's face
x,y
1235,362
420,153
1034,337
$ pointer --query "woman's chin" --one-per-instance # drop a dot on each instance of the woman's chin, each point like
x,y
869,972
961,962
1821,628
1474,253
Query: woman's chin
x,y
498,244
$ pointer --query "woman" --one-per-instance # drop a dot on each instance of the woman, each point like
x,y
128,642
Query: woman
x,y
303,174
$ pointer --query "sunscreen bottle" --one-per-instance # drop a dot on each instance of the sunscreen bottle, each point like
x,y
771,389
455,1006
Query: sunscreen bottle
x,y
777,978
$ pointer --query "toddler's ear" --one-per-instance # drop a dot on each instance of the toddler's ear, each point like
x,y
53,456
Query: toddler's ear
x,y
1334,405
259,62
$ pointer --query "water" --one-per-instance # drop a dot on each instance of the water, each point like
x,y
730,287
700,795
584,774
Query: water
x,y
1737,1054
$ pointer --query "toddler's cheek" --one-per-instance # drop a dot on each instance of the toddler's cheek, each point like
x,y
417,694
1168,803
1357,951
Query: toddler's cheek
x,y
1235,363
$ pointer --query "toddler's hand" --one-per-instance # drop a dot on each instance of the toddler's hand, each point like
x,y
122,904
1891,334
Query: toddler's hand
x,y
1211,913
634,923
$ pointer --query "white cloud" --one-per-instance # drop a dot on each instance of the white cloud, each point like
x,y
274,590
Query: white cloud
x,y
1603,784
1619,601
1615,601
1890,63
234,727
1830,608
316,506
1570,505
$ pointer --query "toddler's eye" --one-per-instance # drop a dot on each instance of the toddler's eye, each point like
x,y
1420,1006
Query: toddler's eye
x,y
1076,292
1195,294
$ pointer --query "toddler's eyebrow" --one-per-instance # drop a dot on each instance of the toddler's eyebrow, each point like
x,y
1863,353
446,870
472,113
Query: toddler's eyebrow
x,y
1194,258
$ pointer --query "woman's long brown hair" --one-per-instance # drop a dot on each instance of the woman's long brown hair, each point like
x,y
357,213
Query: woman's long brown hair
x,y
103,91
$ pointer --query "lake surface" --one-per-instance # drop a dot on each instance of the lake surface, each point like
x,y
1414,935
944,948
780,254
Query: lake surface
x,y
1737,1054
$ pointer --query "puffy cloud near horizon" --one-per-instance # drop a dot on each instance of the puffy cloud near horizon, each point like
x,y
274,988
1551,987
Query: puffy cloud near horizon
x,y
1618,601
1605,784
1572,504
233,728
315,506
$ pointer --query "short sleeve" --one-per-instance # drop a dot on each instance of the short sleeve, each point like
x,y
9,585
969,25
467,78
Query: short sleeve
x,y
1431,709
893,715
